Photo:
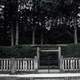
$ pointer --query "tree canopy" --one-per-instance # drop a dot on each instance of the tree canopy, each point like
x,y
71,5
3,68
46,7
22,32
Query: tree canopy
x,y
40,21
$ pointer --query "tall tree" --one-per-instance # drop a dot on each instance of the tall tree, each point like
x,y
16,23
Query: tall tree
x,y
11,17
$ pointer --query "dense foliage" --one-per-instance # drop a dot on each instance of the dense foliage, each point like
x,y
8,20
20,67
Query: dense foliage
x,y
51,21
71,50
17,52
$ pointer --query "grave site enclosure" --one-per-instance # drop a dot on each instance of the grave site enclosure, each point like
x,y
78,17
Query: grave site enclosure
x,y
40,59
58,64
39,39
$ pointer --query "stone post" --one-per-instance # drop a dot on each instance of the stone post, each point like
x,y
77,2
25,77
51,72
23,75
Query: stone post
x,y
13,65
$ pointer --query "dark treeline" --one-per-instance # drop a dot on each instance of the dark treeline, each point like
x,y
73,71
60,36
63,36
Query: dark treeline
x,y
39,22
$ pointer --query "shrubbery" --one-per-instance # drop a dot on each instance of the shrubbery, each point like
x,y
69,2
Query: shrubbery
x,y
71,50
17,51
30,51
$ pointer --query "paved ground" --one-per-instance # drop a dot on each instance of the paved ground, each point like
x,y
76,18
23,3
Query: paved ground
x,y
40,79
51,76
13,79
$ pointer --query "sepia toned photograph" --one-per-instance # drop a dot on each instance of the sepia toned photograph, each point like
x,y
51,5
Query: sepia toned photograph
x,y
39,39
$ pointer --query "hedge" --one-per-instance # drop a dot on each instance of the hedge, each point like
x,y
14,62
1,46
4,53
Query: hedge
x,y
71,50
17,51
30,51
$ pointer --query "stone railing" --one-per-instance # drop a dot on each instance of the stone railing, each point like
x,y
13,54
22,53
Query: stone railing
x,y
18,64
71,64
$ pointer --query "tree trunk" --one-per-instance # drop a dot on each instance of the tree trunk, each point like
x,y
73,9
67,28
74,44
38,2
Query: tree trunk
x,y
17,34
41,38
33,37
75,33
12,36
